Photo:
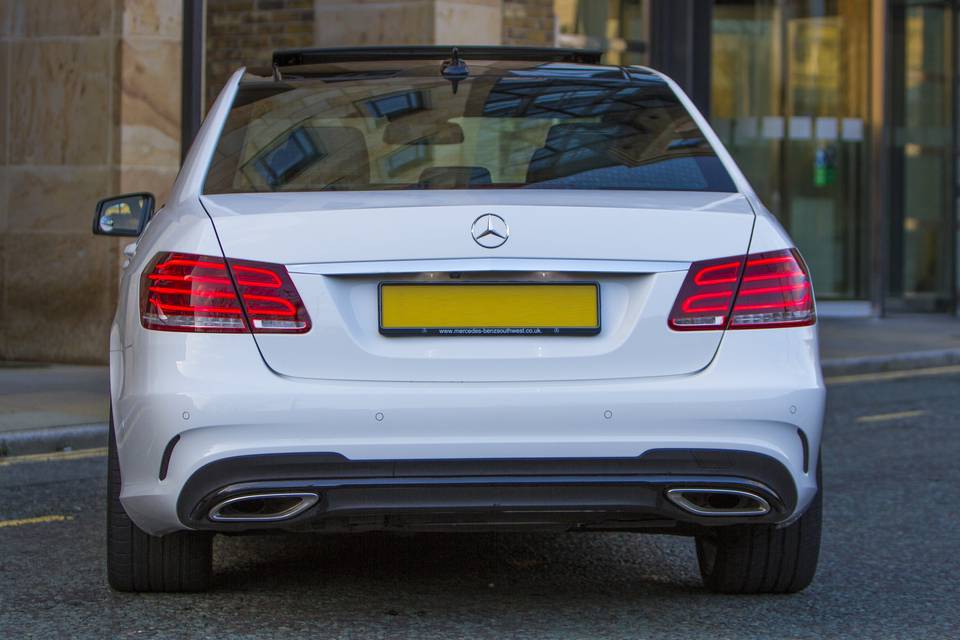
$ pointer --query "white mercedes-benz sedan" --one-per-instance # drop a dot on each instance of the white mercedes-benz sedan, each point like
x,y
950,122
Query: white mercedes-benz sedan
x,y
431,289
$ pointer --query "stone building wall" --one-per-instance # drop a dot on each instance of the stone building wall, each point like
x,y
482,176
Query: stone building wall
x,y
529,22
89,106
246,32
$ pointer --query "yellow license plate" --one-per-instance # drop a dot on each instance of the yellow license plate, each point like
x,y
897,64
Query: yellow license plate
x,y
485,308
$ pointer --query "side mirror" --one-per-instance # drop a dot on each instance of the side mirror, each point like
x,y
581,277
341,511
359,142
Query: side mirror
x,y
123,215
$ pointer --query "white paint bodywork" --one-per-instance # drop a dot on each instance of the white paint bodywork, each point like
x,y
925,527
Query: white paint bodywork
x,y
644,241
489,397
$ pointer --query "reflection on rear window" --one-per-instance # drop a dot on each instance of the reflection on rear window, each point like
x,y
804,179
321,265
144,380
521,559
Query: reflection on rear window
x,y
512,130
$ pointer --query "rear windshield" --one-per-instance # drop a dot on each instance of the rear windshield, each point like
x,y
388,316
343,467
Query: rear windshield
x,y
524,129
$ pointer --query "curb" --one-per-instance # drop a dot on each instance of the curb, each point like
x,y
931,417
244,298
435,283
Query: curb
x,y
891,362
47,439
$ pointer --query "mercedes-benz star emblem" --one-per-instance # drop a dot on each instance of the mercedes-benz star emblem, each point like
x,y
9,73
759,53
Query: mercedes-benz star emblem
x,y
490,231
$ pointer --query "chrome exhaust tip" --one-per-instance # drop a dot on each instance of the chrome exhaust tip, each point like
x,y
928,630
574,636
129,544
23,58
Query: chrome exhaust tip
x,y
262,507
703,501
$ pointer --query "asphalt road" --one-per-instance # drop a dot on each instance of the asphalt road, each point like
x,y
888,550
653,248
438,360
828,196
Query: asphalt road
x,y
890,566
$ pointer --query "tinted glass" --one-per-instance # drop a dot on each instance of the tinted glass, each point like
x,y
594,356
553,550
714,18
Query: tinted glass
x,y
123,215
571,128
791,101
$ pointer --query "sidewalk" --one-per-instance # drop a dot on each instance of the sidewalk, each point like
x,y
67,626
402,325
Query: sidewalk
x,y
860,345
49,407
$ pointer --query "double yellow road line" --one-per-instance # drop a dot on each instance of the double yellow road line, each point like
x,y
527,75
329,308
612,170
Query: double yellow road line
x,y
38,520
56,456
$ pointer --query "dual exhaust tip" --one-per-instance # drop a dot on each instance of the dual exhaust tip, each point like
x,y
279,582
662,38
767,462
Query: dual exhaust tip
x,y
274,507
705,501
263,507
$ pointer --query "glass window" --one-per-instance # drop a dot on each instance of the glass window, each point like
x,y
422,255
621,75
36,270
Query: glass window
x,y
619,28
559,127
789,98
922,172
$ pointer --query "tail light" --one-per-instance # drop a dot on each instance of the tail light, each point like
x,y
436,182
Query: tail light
x,y
185,292
761,290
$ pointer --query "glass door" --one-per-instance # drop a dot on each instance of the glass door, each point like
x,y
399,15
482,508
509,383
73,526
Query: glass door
x,y
922,156
746,93
790,99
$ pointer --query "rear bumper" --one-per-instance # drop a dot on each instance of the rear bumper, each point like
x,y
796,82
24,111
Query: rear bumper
x,y
763,394
562,494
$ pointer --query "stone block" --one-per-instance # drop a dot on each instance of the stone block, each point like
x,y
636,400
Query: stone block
x,y
60,313
149,115
60,112
46,18
4,97
6,18
54,199
153,18
4,190
361,23
460,22
157,181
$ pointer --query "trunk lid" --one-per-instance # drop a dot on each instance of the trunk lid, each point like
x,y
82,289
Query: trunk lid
x,y
339,248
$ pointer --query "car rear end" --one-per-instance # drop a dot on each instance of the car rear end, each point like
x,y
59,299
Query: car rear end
x,y
537,294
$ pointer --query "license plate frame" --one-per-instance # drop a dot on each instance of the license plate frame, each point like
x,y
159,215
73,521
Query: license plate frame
x,y
488,329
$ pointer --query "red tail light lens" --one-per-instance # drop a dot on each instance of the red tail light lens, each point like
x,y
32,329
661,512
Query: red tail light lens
x,y
775,292
761,290
185,292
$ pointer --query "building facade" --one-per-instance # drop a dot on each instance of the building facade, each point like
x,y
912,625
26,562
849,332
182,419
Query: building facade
x,y
841,112
843,115
89,106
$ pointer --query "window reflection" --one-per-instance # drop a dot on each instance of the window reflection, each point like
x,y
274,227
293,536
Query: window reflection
x,y
284,161
550,126
789,99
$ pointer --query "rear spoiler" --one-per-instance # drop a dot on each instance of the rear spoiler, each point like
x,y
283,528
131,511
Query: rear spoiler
x,y
296,57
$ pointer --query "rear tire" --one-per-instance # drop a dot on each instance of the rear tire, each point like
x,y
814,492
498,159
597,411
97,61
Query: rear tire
x,y
137,561
757,558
